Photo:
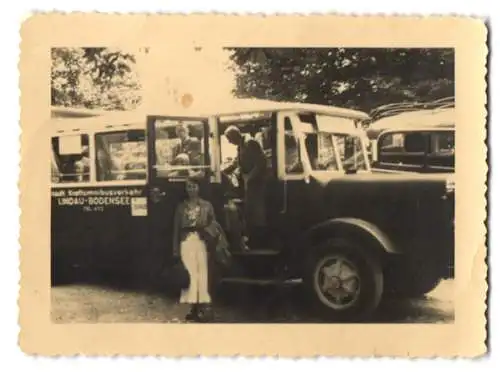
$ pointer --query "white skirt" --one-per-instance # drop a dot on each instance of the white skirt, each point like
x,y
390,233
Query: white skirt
x,y
194,257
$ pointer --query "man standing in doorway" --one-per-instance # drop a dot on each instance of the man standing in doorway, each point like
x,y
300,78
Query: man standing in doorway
x,y
251,162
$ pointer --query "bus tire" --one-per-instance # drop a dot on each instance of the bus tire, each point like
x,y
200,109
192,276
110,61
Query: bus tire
x,y
412,287
343,281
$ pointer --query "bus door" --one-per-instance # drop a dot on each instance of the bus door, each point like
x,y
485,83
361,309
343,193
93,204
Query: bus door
x,y
178,147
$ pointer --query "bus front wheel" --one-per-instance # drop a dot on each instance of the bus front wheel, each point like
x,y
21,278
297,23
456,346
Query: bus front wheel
x,y
343,281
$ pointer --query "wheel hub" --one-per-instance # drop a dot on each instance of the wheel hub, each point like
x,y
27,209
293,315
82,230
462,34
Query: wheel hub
x,y
338,281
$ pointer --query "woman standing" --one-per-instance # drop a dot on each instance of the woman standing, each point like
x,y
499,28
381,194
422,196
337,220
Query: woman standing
x,y
197,236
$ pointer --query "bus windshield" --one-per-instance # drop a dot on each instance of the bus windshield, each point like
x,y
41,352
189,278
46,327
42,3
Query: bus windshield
x,y
351,152
321,152
331,150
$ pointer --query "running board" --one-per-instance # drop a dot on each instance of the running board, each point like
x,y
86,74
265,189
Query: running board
x,y
256,252
262,282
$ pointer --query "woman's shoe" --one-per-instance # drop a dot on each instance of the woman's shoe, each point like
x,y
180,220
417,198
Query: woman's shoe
x,y
192,316
205,313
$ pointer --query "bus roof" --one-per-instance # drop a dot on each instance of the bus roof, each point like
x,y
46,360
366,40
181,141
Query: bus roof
x,y
251,105
108,121
69,112
65,119
419,129
425,119
233,107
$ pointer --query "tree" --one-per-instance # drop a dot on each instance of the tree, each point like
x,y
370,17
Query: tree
x,y
360,78
94,78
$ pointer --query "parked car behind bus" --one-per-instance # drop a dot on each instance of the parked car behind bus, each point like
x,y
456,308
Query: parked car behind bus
x,y
420,141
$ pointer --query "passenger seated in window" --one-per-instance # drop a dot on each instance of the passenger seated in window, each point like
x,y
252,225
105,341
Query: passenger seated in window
x,y
181,160
55,174
183,145
195,154
82,170
163,153
195,159
73,168
68,169
107,168
135,171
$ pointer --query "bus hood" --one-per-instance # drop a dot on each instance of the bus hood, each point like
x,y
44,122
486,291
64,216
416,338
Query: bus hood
x,y
325,178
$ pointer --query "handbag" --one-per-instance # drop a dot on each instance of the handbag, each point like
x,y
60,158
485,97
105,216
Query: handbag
x,y
222,253
219,244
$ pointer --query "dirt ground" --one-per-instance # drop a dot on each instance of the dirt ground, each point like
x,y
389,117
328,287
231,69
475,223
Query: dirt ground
x,y
99,304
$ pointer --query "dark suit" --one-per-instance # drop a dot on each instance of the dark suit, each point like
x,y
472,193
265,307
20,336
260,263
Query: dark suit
x,y
185,147
252,163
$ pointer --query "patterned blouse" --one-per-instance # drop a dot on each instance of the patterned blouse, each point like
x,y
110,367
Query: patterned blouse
x,y
191,215
187,217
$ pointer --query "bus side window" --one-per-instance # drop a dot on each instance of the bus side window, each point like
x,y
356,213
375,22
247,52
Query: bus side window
x,y
180,149
121,155
70,158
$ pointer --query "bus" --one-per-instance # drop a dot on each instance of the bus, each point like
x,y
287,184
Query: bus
x,y
116,182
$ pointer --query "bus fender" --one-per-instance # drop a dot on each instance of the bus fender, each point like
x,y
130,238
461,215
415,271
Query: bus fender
x,y
354,228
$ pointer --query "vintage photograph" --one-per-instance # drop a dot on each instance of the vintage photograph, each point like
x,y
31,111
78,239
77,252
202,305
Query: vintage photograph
x,y
292,186
322,192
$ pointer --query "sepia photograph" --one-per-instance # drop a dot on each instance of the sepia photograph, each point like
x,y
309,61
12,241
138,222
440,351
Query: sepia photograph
x,y
323,192
257,186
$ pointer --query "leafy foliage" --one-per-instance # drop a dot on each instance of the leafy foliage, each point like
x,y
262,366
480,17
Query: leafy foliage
x,y
94,78
360,78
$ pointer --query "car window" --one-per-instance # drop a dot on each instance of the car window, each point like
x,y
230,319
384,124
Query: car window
x,y
392,142
442,143
403,148
442,151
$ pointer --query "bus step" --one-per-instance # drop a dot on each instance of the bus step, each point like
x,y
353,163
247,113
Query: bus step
x,y
256,252
261,282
